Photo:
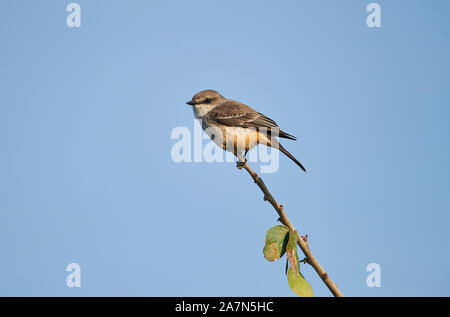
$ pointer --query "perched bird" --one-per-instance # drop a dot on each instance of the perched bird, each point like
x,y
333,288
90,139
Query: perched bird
x,y
236,127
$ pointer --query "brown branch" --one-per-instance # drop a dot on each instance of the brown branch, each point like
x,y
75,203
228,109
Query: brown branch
x,y
302,240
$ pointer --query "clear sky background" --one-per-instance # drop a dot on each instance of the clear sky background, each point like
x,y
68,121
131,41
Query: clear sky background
x,y
86,174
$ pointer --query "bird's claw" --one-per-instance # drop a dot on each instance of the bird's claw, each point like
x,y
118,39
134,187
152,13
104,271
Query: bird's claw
x,y
240,164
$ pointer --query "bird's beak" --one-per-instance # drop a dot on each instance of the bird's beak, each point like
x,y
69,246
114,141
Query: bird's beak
x,y
191,103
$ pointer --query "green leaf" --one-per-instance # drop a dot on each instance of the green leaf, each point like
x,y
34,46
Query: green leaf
x,y
299,285
291,252
275,244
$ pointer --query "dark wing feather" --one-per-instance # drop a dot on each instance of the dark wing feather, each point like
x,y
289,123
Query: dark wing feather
x,y
236,114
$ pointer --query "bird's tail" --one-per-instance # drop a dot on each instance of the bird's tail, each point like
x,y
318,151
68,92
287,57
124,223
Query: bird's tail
x,y
285,152
286,135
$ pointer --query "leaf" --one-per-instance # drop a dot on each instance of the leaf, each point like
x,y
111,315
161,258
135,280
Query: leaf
x,y
291,252
275,244
287,267
299,285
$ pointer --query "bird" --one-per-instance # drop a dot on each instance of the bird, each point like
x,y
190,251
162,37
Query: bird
x,y
236,127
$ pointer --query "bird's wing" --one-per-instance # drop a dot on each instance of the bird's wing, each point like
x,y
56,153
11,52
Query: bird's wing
x,y
235,114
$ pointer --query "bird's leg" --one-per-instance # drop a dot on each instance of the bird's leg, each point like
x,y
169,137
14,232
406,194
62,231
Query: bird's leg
x,y
241,160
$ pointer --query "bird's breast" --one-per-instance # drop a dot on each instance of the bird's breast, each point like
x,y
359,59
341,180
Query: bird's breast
x,y
231,137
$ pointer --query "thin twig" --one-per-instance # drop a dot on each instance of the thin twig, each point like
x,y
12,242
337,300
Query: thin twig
x,y
302,240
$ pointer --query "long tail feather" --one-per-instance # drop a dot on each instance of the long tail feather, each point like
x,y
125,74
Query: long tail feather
x,y
282,149
286,135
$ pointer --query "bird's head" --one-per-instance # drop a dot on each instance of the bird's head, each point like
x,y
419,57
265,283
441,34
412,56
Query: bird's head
x,y
206,99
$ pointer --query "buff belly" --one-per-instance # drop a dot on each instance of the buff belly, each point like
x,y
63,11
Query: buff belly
x,y
234,138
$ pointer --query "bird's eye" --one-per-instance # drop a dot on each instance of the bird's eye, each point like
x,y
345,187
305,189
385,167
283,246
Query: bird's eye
x,y
208,100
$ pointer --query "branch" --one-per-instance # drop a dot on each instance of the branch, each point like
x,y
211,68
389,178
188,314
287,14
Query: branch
x,y
302,241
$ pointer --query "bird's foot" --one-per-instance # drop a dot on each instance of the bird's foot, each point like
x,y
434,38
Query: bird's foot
x,y
240,164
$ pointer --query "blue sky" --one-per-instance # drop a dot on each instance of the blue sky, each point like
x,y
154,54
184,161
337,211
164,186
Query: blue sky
x,y
86,174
